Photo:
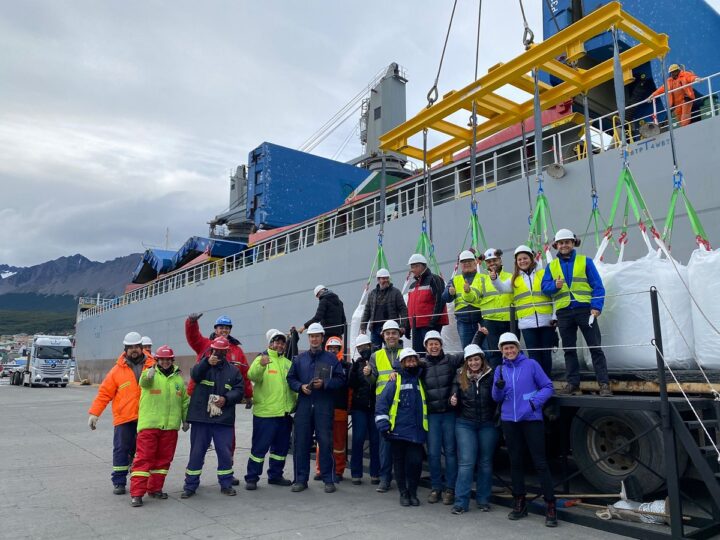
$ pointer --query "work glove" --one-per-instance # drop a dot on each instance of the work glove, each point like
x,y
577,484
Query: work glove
x,y
150,373
248,403
193,317
185,426
213,409
500,384
92,422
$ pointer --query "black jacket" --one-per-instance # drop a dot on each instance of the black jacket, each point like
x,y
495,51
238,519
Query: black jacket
x,y
223,379
330,313
363,392
437,376
394,304
476,403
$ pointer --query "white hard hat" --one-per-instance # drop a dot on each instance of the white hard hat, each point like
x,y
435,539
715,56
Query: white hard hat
x,y
508,337
564,234
407,352
362,339
390,325
492,253
317,289
433,334
466,255
271,334
416,258
524,249
473,350
146,340
315,328
132,338
383,272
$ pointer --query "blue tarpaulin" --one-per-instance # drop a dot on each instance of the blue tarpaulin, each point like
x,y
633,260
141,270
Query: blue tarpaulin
x,y
153,263
197,245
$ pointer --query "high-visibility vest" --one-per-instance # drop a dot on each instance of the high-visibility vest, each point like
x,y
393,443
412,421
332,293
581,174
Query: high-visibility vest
x,y
530,301
579,288
476,285
495,305
384,367
396,402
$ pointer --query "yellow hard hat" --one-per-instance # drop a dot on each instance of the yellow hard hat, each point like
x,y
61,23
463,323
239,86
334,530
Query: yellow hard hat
x,y
673,67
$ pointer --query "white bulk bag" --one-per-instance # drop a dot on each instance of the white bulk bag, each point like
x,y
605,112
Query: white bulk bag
x,y
704,276
627,317
355,323
449,332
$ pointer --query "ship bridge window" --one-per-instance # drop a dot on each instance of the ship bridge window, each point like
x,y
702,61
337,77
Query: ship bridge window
x,y
49,353
376,113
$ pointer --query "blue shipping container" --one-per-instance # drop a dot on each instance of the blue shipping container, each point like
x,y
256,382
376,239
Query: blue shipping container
x,y
286,186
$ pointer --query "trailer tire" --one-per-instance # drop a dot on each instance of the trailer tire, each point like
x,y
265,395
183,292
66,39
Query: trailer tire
x,y
15,381
63,385
610,429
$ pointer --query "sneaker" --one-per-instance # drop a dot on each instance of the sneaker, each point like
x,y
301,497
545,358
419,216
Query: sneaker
x,y
605,390
228,491
119,489
158,495
282,481
434,496
251,486
448,496
317,477
383,487
457,510
550,514
483,507
404,498
519,508
297,488
235,481
136,501
330,488
374,480
414,501
570,390
356,481
187,494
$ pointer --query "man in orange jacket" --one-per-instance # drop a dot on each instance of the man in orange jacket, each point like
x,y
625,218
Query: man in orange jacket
x,y
680,93
121,387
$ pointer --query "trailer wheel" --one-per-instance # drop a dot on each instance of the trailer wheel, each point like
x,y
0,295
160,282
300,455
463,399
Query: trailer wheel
x,y
63,385
595,432
15,381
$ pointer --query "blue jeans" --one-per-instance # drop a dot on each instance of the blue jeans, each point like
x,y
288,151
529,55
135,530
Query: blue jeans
x,y
441,439
386,460
466,331
376,335
476,444
363,427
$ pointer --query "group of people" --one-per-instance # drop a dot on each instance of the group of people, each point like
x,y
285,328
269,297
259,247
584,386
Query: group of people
x,y
403,400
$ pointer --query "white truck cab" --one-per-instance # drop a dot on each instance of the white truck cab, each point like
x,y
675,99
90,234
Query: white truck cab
x,y
49,361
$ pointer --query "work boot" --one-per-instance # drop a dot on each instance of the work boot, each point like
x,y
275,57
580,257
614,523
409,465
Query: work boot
x,y
158,495
519,508
282,481
457,510
550,514
414,501
404,498
605,391
570,389
374,480
448,496
235,481
251,486
330,488
317,477
356,481
119,489
434,496
136,501
483,507
228,491
383,487
186,494
297,488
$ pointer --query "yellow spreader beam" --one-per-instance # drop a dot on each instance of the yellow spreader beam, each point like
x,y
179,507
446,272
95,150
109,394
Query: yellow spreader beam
x,y
500,112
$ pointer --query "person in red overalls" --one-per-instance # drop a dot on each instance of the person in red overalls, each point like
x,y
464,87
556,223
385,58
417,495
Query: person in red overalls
x,y
680,98
235,355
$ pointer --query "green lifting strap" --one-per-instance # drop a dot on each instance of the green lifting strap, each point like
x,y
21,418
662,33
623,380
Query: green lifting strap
x,y
626,184
541,224
380,260
697,227
425,247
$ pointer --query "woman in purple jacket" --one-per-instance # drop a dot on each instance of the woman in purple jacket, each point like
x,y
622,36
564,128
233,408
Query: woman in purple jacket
x,y
522,388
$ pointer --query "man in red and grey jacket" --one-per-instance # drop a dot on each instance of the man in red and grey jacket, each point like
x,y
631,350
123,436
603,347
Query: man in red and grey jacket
x,y
426,309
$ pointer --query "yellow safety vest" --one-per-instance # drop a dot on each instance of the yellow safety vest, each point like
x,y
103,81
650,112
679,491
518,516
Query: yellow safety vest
x,y
495,305
384,368
396,402
477,286
579,288
529,301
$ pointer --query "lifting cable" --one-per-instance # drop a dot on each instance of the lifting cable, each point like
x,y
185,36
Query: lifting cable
x,y
528,36
432,95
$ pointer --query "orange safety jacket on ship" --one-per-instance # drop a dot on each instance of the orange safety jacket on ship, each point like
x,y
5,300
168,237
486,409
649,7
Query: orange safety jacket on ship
x,y
676,94
120,387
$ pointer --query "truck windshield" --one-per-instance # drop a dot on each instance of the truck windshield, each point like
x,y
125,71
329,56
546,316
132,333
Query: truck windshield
x,y
48,352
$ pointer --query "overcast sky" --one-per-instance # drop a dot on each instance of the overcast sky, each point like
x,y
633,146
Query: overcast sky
x,y
119,119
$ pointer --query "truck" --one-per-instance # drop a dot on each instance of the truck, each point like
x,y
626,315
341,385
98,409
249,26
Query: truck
x,y
49,361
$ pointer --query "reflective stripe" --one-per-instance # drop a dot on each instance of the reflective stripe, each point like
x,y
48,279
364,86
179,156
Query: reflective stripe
x,y
123,385
522,295
408,386
477,286
496,310
531,301
257,459
276,457
224,472
382,417
495,305
338,451
121,468
579,279
579,288
207,383
140,473
193,473
385,372
228,387
384,368
396,402
158,471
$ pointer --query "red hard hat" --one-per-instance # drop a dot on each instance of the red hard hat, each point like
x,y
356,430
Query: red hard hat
x,y
220,344
164,352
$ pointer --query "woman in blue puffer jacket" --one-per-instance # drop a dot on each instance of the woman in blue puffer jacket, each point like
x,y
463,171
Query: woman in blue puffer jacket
x,y
522,388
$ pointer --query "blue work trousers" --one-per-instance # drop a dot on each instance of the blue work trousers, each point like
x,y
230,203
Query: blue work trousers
x,y
201,435
273,435
310,419
124,437
363,428
476,442
441,441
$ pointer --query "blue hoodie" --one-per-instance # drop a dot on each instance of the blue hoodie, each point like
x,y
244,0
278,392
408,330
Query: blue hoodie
x,y
409,419
527,388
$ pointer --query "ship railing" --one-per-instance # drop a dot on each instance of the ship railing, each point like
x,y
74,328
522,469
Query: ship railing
x,y
449,182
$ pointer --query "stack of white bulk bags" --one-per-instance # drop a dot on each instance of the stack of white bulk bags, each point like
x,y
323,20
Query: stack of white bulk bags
x,y
704,274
